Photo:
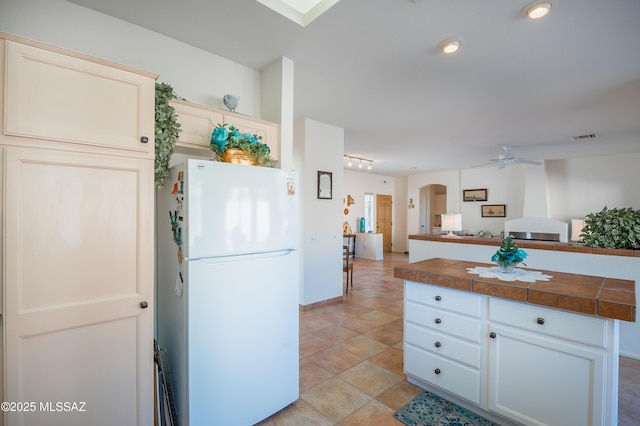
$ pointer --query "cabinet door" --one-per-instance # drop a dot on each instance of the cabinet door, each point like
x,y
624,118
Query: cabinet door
x,y
268,131
196,124
78,234
538,380
56,97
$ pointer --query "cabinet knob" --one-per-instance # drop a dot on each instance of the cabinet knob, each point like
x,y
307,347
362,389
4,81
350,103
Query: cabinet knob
x,y
437,371
144,139
144,304
492,335
540,320
438,298
438,321
437,344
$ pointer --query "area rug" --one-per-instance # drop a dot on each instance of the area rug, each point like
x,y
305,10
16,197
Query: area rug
x,y
428,409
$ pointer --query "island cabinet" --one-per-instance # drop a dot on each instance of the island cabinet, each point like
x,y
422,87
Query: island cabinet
x,y
198,121
531,365
520,353
77,149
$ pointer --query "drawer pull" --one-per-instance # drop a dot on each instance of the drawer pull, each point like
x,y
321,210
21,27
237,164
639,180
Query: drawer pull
x,y
492,335
437,344
438,298
437,371
540,320
438,321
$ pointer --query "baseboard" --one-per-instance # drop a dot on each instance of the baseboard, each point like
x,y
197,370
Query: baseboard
x,y
321,303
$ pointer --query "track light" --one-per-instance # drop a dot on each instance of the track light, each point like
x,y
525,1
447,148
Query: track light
x,y
350,159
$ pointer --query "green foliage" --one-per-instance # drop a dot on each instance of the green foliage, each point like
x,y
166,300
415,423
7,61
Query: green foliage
x,y
614,228
509,252
223,138
167,130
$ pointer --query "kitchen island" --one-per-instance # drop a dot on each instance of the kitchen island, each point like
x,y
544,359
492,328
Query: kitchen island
x,y
534,353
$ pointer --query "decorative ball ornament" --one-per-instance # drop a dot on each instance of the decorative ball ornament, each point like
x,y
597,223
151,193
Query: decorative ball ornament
x,y
231,102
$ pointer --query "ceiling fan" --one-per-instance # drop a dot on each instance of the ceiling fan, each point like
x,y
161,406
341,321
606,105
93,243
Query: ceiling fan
x,y
507,159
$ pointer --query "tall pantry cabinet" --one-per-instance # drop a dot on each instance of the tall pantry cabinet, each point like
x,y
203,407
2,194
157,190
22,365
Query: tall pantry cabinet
x,y
77,194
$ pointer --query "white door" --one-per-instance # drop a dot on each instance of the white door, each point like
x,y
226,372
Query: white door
x,y
77,271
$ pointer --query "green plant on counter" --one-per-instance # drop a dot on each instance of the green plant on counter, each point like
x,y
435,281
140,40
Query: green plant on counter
x,y
617,228
167,129
509,252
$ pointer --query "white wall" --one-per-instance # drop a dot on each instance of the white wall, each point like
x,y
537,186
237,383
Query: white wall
x,y
573,189
196,75
400,243
585,185
320,147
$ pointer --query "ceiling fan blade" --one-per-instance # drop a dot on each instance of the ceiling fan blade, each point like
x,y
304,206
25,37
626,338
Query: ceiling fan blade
x,y
490,163
537,163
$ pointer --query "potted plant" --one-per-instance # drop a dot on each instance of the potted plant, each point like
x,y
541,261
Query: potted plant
x,y
233,146
167,129
509,255
612,228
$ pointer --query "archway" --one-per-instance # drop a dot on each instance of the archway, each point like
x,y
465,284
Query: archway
x,y
433,203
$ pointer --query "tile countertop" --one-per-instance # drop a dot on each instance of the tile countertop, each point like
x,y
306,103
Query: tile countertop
x,y
585,294
527,244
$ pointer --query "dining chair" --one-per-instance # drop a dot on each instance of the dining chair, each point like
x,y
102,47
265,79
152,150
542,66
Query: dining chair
x,y
347,266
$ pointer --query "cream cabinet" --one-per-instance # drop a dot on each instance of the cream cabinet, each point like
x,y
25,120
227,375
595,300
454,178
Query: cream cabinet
x,y
198,121
77,212
524,363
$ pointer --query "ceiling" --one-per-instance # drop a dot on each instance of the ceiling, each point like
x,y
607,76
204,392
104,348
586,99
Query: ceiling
x,y
373,68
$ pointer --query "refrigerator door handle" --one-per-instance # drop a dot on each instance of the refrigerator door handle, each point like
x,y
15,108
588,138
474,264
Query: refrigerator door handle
x,y
244,256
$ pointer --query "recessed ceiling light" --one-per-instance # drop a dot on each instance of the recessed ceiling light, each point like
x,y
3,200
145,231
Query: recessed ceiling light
x,y
536,9
450,45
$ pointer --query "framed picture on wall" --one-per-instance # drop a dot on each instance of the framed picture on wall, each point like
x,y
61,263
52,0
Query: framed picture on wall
x,y
474,194
325,185
494,210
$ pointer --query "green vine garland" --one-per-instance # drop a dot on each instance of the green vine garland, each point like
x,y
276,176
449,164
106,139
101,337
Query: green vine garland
x,y
167,130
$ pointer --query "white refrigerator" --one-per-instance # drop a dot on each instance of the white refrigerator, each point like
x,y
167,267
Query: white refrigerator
x,y
227,290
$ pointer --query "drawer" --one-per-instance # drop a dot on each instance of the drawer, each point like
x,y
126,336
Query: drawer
x,y
442,321
455,378
565,325
443,345
444,298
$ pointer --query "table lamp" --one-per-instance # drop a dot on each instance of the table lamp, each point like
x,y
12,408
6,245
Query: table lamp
x,y
451,222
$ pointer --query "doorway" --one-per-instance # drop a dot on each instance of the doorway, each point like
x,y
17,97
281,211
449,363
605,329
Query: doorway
x,y
383,220
433,203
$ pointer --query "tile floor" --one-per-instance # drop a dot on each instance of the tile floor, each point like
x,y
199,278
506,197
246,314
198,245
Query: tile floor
x,y
351,357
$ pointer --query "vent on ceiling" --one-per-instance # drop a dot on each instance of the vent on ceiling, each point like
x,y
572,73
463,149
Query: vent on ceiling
x,y
583,137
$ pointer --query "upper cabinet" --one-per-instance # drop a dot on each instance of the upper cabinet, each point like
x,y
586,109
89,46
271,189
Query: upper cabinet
x,y
65,98
198,121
